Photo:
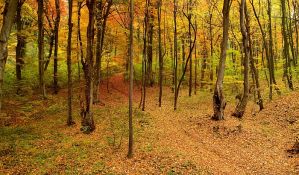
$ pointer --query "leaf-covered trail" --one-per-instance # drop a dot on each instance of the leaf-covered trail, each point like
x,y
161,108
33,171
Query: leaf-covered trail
x,y
185,141
254,145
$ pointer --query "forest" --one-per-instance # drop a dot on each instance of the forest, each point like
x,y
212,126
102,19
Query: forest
x,y
149,87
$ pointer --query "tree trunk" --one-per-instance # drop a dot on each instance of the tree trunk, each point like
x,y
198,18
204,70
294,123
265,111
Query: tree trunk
x,y
41,47
69,58
252,63
218,98
101,17
240,109
20,49
56,34
8,19
87,112
286,51
175,52
160,53
190,46
130,150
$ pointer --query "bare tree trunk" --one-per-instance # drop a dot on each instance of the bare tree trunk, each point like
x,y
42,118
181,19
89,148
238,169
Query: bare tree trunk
x,y
145,54
103,12
286,51
218,97
56,34
252,63
69,59
8,19
240,109
195,71
87,112
41,47
130,150
190,46
175,52
150,77
187,61
20,49
160,53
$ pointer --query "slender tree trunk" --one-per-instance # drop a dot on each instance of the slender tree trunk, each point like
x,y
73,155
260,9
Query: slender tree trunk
x,y
69,59
175,52
20,49
160,53
150,77
286,51
187,61
8,19
195,71
190,46
145,55
130,150
252,63
56,34
218,97
41,47
272,81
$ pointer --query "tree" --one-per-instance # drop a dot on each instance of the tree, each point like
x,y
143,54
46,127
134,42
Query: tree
x,y
286,51
218,97
185,65
102,14
20,49
160,53
41,47
86,111
130,150
69,60
8,19
240,109
175,58
56,36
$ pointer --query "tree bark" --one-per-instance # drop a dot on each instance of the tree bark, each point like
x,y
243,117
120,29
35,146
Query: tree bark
x,y
175,52
8,19
41,60
20,49
102,15
130,150
87,112
160,53
240,109
69,58
56,35
218,98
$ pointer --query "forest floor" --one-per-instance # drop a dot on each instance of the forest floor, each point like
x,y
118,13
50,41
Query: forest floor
x,y
36,140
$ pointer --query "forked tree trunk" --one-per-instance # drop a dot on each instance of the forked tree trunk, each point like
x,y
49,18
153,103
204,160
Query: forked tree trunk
x,y
240,109
218,97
